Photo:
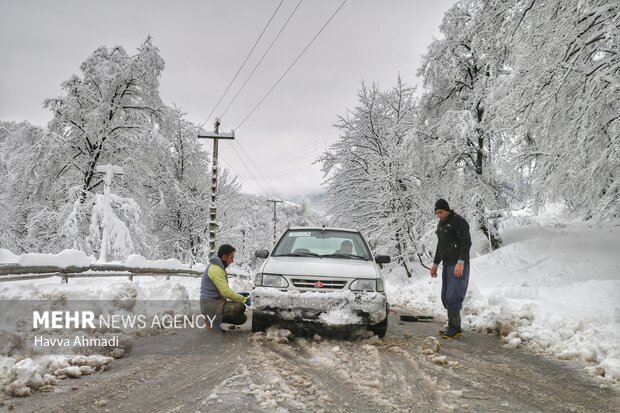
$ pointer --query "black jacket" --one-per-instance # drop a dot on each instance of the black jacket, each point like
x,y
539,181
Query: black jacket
x,y
453,240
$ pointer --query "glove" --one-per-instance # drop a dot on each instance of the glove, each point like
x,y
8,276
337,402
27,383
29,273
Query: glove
x,y
248,302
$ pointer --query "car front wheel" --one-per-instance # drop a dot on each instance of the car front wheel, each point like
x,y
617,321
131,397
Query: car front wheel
x,y
380,329
259,322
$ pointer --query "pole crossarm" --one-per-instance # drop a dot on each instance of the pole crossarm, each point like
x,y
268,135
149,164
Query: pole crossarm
x,y
213,135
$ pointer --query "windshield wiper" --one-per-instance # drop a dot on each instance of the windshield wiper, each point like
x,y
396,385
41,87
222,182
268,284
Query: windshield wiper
x,y
341,255
298,254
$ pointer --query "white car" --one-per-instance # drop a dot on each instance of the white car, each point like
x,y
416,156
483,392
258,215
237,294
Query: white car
x,y
320,275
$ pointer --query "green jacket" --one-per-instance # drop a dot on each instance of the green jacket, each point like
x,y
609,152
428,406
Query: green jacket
x,y
214,284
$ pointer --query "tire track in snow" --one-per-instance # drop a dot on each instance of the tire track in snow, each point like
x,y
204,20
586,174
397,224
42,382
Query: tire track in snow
x,y
378,377
273,381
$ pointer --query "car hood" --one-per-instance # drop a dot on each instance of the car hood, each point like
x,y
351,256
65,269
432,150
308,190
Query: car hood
x,y
323,267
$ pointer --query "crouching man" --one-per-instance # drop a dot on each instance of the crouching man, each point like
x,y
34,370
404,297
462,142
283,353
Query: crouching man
x,y
218,302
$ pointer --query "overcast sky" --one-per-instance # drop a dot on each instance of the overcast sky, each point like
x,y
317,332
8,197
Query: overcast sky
x,y
42,43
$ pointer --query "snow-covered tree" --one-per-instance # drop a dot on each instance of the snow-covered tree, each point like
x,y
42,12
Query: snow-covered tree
x,y
105,115
53,198
177,189
33,200
459,71
372,176
561,100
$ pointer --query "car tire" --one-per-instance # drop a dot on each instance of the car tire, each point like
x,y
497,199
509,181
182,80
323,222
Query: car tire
x,y
381,328
259,323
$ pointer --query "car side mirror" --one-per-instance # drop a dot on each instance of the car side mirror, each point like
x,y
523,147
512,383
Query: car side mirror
x,y
382,259
261,254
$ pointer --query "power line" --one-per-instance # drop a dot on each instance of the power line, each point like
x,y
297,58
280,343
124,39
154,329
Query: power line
x,y
295,150
288,170
255,167
243,64
292,64
251,173
286,165
305,157
261,59
239,175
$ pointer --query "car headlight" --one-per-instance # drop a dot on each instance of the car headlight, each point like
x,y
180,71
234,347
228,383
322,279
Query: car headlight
x,y
363,285
270,280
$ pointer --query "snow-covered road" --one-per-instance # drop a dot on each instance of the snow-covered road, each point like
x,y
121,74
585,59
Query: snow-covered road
x,y
273,372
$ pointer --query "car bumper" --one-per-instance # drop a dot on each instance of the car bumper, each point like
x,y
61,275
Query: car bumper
x,y
336,308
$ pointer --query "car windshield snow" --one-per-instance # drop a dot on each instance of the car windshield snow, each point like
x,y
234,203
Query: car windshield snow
x,y
322,243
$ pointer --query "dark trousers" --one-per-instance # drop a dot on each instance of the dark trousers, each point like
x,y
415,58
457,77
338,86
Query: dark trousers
x,y
222,311
234,313
453,289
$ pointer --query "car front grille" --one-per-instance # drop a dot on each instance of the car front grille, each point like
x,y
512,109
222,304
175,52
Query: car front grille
x,y
327,284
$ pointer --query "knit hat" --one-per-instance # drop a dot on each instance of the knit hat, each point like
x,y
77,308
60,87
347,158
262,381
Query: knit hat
x,y
442,204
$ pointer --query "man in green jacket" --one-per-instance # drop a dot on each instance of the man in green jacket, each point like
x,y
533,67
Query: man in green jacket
x,y
217,301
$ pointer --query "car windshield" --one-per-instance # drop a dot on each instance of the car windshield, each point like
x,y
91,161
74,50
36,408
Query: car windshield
x,y
322,243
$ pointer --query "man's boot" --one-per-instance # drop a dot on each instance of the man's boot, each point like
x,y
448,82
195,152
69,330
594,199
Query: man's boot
x,y
445,328
454,324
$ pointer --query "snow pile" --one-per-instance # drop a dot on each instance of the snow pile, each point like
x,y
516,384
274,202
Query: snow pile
x,y
143,288
64,259
142,296
21,377
273,334
430,345
554,286
7,257
138,261
76,258
340,316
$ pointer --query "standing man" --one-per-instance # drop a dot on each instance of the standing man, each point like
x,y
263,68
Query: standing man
x,y
217,301
453,244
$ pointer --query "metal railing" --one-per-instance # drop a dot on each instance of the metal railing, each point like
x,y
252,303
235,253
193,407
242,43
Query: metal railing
x,y
14,272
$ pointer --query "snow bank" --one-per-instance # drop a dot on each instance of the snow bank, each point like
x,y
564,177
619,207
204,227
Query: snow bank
x,y
138,261
22,372
40,372
64,259
7,257
21,378
554,286
76,258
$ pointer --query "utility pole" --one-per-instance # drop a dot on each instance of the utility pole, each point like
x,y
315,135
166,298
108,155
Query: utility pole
x,y
243,243
216,136
275,219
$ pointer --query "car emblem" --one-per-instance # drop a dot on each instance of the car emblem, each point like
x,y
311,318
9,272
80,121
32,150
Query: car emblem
x,y
318,284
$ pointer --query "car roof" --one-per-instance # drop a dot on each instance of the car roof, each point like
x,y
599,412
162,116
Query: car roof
x,y
322,228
